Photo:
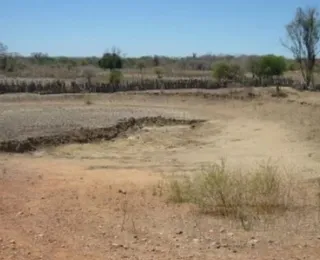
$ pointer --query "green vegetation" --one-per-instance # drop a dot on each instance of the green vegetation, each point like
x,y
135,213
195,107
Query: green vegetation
x,y
114,62
303,39
267,66
141,65
223,71
110,61
115,77
158,72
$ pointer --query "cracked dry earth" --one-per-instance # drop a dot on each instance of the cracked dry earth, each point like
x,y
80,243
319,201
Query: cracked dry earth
x,y
107,200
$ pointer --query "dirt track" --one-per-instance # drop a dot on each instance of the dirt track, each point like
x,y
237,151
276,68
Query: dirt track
x,y
107,200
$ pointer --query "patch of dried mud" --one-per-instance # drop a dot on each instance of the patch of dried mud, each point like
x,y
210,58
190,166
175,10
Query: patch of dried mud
x,y
86,135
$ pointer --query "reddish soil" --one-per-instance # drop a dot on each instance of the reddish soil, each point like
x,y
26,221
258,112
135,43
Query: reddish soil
x,y
108,200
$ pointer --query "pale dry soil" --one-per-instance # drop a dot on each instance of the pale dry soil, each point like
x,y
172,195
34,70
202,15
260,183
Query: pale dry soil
x,y
107,200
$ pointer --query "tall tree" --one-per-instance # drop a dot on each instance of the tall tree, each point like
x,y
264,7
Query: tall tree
x,y
3,53
141,65
303,35
156,61
3,48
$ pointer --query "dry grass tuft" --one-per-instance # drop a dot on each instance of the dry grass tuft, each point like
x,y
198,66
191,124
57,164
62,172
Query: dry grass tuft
x,y
246,197
88,99
279,93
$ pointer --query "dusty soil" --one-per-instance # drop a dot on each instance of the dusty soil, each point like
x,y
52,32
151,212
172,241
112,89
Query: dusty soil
x,y
20,121
107,200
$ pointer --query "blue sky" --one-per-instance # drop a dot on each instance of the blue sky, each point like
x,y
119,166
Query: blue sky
x,y
142,27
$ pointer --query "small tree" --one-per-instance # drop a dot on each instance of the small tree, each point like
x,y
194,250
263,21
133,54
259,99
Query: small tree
x,y
3,48
3,56
303,34
111,60
235,72
40,58
159,73
141,65
272,65
267,66
89,73
220,71
114,62
226,71
156,61
115,77
254,66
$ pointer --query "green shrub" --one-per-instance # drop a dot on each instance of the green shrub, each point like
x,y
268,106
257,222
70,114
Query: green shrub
x,y
115,77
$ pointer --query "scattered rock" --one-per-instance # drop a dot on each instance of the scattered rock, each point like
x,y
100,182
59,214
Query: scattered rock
x,y
50,240
230,234
179,232
270,241
253,242
20,213
211,231
195,240
12,241
216,245
222,230
131,138
116,245
38,153
122,192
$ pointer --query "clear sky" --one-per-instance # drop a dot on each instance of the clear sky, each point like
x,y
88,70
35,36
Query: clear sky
x,y
146,27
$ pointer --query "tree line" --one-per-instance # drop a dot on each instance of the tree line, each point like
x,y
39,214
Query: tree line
x,y
302,40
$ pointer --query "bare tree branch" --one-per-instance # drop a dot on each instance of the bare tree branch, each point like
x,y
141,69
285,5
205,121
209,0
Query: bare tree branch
x,y
303,38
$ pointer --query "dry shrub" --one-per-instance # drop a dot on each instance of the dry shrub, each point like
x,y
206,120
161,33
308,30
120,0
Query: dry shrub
x,y
227,193
278,92
88,99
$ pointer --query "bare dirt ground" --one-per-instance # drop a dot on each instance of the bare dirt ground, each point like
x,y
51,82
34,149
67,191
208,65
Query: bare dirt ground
x,y
107,200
